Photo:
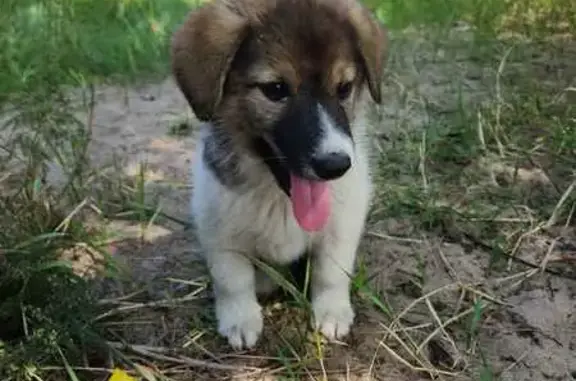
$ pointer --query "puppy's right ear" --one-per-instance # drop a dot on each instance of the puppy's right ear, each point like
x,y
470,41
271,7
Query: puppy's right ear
x,y
202,51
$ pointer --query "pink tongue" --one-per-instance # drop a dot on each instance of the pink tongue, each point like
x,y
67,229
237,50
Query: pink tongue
x,y
310,203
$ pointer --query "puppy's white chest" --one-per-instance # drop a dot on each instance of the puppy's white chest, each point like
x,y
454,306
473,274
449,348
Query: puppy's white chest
x,y
278,237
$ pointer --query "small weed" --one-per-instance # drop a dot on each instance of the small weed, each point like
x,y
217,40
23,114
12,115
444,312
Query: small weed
x,y
181,128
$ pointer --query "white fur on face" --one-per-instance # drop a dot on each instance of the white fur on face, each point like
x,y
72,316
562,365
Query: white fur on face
x,y
333,139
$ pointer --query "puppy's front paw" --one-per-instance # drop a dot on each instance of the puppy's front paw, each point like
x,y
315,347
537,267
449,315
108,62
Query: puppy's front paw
x,y
240,321
333,315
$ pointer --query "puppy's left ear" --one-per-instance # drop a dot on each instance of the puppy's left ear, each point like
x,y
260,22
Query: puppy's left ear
x,y
202,51
372,40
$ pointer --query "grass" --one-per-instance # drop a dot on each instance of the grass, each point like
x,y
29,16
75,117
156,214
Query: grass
x,y
487,164
81,41
47,302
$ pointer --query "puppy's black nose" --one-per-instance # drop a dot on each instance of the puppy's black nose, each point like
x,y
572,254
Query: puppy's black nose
x,y
332,165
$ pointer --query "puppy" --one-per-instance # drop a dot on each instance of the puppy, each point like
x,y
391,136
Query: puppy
x,y
282,160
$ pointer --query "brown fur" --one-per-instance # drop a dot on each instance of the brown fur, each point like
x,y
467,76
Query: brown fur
x,y
297,41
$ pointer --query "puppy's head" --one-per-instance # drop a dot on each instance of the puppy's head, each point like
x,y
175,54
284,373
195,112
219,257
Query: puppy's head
x,y
286,75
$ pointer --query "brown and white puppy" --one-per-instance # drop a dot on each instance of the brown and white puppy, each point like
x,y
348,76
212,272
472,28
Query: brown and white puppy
x,y
282,165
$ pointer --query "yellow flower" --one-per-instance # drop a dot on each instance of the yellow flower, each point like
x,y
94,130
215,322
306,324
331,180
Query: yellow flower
x,y
120,375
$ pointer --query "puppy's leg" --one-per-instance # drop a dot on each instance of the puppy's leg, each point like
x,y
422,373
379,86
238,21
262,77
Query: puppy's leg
x,y
333,263
237,310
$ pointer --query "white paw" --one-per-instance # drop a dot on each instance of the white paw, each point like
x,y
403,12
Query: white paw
x,y
240,321
333,315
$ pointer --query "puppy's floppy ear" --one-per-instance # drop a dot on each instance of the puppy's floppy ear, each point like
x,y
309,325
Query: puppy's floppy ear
x,y
372,43
202,51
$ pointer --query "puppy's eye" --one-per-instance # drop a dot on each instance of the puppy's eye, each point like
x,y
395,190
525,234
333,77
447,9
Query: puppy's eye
x,y
344,90
275,91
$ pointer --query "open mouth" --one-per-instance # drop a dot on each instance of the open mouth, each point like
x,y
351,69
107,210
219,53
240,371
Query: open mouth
x,y
311,199
311,202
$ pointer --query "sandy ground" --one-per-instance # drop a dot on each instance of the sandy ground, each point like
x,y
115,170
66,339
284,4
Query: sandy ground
x,y
528,333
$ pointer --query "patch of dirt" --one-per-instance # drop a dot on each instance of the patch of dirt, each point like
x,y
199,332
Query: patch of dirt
x,y
527,330
530,332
